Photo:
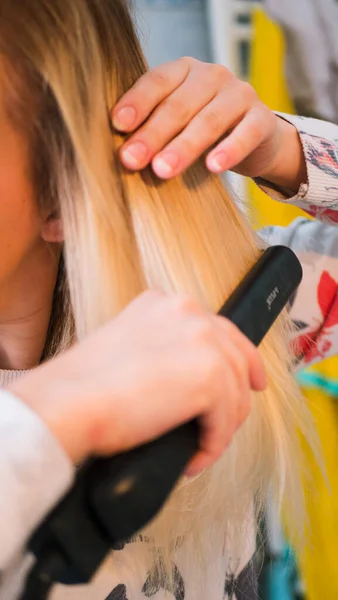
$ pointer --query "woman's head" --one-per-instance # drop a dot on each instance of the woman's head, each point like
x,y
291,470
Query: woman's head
x,y
29,249
66,63
62,65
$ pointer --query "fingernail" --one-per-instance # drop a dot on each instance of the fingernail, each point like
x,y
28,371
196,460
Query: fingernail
x,y
192,472
134,155
165,165
124,118
217,163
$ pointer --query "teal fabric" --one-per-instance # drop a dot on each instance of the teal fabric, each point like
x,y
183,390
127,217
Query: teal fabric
x,y
279,577
309,379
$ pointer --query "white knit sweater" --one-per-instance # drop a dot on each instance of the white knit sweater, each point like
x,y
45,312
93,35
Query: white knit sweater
x,y
34,474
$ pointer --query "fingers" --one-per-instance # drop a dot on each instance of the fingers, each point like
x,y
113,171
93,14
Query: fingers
x,y
243,370
147,93
214,438
185,107
220,422
179,91
248,134
168,120
209,125
248,351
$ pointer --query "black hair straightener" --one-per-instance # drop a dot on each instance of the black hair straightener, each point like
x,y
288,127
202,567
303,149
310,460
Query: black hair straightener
x,y
113,498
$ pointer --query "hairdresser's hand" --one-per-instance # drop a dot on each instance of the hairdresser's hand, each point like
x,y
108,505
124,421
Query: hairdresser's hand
x,y
184,107
160,363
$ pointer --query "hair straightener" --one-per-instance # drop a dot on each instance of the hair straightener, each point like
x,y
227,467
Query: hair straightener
x,y
113,498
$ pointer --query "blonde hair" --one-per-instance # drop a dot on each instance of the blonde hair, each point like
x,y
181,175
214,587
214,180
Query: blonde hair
x,y
70,62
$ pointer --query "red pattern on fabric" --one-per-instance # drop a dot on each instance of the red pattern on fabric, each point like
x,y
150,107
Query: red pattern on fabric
x,y
319,212
315,344
326,293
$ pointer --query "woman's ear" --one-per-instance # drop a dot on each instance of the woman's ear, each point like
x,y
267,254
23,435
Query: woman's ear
x,y
52,230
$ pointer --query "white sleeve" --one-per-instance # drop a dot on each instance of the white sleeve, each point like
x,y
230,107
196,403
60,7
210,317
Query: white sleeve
x,y
319,195
35,473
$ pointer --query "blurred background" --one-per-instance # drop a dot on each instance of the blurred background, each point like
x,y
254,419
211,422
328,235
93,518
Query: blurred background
x,y
288,50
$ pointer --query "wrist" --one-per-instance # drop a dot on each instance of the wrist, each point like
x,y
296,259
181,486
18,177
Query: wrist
x,y
47,396
288,169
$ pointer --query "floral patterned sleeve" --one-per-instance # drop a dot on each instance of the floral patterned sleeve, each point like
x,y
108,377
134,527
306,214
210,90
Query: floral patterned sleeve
x,y
315,307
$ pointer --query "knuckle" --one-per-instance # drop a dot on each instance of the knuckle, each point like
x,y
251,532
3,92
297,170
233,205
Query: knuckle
x,y
184,304
233,396
239,149
215,121
157,78
255,131
187,145
241,362
189,61
241,370
268,117
247,91
221,73
212,367
177,107
234,353
230,395
203,331
226,327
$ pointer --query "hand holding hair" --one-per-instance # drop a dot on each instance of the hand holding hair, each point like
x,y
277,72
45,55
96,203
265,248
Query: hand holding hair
x,y
160,363
181,109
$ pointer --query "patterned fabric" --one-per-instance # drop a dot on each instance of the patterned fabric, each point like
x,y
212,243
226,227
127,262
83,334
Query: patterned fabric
x,y
315,308
242,586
